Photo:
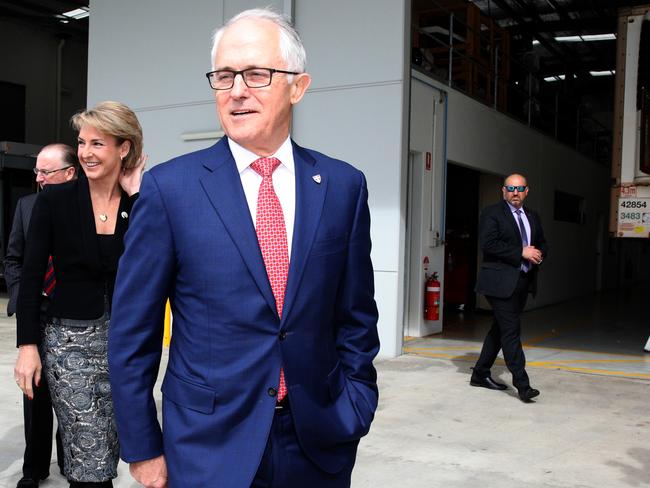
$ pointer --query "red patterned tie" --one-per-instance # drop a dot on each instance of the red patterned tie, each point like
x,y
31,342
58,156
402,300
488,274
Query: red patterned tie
x,y
272,238
49,282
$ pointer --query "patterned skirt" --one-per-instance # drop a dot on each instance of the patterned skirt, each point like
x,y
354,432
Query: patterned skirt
x,y
75,361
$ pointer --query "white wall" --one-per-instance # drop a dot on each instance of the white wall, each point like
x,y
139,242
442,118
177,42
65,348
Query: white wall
x,y
488,141
355,111
153,56
427,135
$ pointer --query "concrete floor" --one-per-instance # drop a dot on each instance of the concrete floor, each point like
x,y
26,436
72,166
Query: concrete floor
x,y
589,428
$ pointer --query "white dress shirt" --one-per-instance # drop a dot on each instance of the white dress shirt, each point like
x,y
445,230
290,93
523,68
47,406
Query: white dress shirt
x,y
284,181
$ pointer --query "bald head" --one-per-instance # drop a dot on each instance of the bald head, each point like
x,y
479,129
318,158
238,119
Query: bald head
x,y
515,190
56,163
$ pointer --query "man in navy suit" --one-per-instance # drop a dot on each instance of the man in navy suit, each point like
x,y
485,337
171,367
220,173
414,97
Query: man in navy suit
x,y
55,163
264,250
513,245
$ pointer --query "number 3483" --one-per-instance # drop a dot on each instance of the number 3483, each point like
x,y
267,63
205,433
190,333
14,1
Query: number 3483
x,y
631,215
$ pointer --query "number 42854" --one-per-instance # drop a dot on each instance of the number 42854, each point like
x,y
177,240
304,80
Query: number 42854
x,y
634,204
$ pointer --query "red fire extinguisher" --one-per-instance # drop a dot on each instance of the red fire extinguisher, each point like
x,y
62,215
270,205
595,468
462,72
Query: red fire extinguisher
x,y
432,298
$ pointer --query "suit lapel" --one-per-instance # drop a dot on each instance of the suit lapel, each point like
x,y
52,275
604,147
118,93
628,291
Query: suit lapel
x,y
511,218
222,185
310,196
122,223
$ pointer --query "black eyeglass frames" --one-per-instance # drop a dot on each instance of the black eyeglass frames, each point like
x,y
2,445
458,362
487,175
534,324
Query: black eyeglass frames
x,y
224,79
48,172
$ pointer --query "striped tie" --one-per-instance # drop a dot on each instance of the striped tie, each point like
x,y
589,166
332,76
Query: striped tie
x,y
524,239
49,282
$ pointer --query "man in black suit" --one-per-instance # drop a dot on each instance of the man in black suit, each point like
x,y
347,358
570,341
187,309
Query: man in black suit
x,y
513,245
56,163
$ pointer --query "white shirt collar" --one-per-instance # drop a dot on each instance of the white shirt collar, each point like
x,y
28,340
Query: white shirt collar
x,y
244,158
513,209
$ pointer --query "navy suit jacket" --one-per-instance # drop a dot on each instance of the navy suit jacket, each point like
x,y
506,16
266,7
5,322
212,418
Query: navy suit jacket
x,y
500,241
192,239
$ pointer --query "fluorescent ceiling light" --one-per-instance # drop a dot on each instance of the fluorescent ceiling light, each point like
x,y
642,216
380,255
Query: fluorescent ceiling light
x,y
78,13
609,72
599,37
568,39
557,77
587,38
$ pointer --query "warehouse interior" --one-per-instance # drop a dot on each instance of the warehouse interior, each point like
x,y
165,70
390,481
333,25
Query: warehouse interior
x,y
551,65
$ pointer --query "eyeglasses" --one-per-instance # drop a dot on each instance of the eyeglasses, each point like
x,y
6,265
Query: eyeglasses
x,y
48,172
224,79
511,188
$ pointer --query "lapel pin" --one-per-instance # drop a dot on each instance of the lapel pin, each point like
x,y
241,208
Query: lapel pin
x,y
316,178
124,215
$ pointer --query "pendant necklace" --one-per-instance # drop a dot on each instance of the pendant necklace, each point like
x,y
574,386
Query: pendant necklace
x,y
103,217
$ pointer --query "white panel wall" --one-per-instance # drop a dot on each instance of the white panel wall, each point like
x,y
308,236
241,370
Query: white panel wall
x,y
427,125
371,145
153,56
355,111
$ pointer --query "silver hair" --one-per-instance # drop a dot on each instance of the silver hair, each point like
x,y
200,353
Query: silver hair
x,y
291,48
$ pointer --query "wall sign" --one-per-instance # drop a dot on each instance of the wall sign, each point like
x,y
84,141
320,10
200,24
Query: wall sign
x,y
633,217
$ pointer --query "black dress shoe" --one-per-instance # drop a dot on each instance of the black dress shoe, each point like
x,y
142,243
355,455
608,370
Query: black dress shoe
x,y
487,382
27,483
528,394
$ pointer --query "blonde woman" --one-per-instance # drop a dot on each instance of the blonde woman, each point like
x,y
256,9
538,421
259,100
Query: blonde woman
x,y
80,225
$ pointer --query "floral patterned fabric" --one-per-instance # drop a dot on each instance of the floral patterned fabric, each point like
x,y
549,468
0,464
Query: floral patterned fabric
x,y
76,364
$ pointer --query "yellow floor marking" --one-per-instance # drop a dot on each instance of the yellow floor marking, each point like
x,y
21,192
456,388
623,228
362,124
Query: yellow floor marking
x,y
538,364
471,348
540,338
596,361
441,348
585,351
465,358
556,332
528,346
624,374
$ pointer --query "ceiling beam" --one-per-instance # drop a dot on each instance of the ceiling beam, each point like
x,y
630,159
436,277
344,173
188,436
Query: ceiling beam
x,y
594,25
565,16
556,49
551,46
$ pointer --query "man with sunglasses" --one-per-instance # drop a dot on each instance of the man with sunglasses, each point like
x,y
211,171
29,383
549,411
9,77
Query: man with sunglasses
x,y
55,163
513,245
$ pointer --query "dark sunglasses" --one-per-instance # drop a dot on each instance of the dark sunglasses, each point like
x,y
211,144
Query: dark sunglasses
x,y
511,188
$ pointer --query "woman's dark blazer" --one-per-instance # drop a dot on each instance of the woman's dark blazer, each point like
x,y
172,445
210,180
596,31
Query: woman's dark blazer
x,y
63,226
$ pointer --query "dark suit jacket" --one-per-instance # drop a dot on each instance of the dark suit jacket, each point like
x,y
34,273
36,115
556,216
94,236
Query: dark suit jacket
x,y
63,226
16,248
500,241
192,239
